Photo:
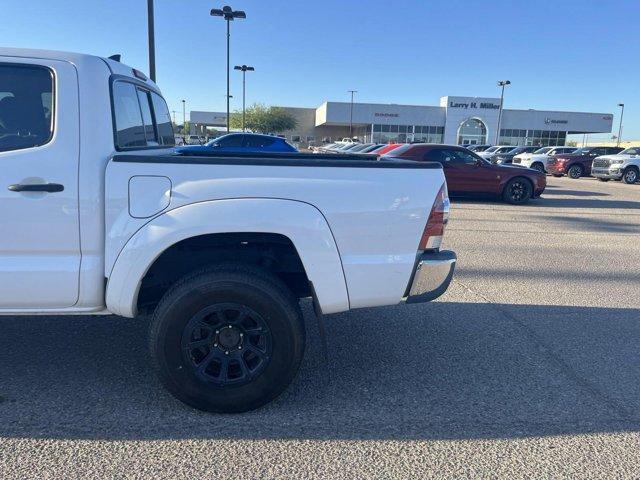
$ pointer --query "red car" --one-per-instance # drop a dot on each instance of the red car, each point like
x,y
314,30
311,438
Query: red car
x,y
469,174
578,163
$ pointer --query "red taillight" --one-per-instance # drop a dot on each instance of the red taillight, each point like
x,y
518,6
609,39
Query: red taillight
x,y
438,218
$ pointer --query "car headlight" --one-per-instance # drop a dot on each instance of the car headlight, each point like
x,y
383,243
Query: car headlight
x,y
616,162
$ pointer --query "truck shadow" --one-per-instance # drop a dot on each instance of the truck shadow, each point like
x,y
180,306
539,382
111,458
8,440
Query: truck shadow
x,y
551,201
444,370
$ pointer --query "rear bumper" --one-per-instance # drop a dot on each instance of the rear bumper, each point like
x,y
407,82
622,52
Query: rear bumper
x,y
431,277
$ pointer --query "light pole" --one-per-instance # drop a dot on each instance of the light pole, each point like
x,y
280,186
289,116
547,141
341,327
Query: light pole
x,y
152,42
620,127
184,118
501,83
244,69
351,114
228,14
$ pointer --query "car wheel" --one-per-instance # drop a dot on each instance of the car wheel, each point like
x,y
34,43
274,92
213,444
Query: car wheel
x,y
630,175
538,166
517,191
227,339
603,179
575,171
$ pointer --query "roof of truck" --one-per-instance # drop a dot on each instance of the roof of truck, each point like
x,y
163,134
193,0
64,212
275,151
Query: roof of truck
x,y
71,57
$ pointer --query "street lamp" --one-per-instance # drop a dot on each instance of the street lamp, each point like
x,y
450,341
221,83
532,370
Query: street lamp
x,y
351,114
244,69
228,14
620,127
152,46
184,118
501,83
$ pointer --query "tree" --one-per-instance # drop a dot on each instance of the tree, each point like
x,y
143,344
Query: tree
x,y
262,119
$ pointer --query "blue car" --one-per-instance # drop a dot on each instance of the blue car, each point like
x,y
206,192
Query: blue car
x,y
240,143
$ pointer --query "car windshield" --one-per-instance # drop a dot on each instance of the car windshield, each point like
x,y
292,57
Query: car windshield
x,y
543,150
491,149
582,151
400,150
630,151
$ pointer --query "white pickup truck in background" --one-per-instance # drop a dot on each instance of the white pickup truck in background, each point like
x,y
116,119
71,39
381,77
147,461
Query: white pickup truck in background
x,y
100,216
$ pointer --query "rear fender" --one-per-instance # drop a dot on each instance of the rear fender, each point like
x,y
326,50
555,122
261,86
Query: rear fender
x,y
301,222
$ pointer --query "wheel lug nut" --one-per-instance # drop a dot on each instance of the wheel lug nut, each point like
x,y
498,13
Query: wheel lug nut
x,y
217,332
241,335
215,344
227,352
239,347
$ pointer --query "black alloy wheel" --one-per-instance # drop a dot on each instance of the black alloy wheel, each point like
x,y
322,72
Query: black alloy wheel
x,y
517,191
227,338
227,343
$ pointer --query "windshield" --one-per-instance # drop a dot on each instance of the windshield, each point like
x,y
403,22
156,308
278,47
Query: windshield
x,y
630,151
491,149
582,151
543,150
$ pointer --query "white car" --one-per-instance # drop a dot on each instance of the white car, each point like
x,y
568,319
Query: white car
x,y
538,159
101,216
623,166
496,150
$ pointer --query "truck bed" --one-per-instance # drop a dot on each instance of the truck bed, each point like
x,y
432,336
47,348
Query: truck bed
x,y
375,210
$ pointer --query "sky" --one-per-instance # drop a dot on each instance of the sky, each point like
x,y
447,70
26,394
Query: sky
x,y
559,55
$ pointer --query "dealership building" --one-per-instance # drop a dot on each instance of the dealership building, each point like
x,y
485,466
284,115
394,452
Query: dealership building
x,y
457,120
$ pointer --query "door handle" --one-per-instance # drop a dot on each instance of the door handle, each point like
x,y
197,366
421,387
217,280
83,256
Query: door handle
x,y
36,187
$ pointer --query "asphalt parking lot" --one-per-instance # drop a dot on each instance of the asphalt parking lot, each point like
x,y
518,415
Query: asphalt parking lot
x,y
528,366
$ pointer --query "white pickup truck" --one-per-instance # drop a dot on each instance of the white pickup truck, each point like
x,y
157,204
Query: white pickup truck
x,y
100,215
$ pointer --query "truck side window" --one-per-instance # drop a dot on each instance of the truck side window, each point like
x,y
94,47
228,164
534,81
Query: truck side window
x,y
231,141
147,119
258,141
163,120
26,106
129,126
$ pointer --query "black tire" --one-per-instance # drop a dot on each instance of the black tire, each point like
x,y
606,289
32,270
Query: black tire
x,y
517,191
197,341
557,175
603,179
575,171
539,167
630,175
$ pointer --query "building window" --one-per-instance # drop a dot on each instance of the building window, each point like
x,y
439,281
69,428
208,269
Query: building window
x,y
407,133
295,138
